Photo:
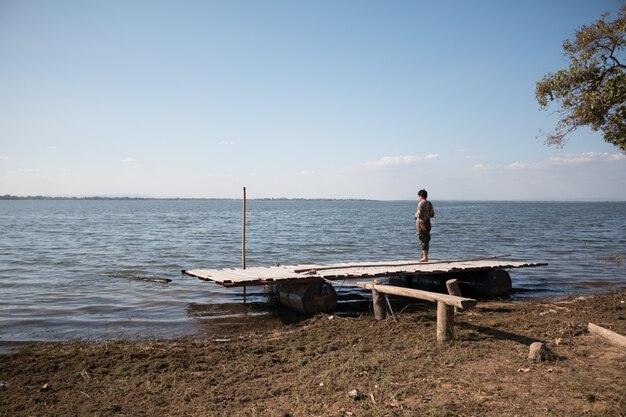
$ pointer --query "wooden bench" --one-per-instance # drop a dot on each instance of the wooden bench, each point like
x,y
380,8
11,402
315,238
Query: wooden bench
x,y
445,305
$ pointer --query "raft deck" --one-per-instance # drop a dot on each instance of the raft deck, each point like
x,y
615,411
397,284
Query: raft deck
x,y
237,277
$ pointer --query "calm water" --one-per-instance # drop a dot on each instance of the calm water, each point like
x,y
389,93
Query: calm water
x,y
61,261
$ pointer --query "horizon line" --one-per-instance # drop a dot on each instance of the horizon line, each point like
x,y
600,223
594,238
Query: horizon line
x,y
8,197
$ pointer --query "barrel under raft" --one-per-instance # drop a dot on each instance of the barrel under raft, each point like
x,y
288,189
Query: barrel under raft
x,y
310,298
489,283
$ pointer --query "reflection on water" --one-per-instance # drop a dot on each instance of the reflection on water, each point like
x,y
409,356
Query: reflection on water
x,y
82,269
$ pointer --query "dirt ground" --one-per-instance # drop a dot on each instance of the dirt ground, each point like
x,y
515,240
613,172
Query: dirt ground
x,y
309,368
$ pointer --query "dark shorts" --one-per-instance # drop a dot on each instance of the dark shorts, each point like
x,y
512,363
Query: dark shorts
x,y
424,240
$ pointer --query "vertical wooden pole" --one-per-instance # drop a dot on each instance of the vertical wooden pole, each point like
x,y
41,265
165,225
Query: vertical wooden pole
x,y
243,240
243,231
380,306
454,289
445,322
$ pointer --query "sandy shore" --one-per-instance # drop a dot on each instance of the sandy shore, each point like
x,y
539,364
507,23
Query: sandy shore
x,y
308,369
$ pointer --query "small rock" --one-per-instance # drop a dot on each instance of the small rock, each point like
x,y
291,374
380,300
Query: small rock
x,y
524,370
4,385
321,384
558,341
45,387
539,352
551,311
356,394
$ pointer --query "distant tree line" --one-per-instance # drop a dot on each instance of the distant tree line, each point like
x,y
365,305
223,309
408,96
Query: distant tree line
x,y
43,197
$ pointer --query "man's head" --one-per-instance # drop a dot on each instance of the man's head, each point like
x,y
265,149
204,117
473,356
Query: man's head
x,y
423,194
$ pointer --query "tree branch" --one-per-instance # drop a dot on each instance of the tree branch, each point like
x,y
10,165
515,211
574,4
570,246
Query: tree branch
x,y
617,63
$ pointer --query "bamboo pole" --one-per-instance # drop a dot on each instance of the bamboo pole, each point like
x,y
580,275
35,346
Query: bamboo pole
x,y
243,231
243,241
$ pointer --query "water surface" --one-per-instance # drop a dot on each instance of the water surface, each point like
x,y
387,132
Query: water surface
x,y
61,260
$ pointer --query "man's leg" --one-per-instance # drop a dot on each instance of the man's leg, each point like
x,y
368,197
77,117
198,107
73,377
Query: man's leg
x,y
424,239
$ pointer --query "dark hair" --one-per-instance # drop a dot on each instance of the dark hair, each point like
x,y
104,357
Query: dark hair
x,y
423,193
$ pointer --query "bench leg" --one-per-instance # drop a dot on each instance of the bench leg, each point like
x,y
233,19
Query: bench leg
x,y
445,322
380,306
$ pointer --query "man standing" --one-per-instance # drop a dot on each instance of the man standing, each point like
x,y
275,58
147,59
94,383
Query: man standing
x,y
423,214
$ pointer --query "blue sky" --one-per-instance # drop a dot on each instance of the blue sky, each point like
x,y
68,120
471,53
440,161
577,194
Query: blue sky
x,y
337,99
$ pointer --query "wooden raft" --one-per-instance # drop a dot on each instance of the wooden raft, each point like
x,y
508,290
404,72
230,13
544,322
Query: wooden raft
x,y
237,277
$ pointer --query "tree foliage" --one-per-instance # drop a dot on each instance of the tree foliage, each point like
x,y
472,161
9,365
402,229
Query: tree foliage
x,y
592,91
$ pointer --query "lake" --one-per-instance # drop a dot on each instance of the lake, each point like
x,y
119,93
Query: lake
x,y
63,263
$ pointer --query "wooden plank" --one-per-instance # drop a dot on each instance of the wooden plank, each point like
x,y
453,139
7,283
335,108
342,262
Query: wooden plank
x,y
452,300
263,275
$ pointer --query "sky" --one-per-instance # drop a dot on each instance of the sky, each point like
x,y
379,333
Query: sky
x,y
296,99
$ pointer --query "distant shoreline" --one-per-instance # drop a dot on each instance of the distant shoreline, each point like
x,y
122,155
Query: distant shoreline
x,y
7,197
41,197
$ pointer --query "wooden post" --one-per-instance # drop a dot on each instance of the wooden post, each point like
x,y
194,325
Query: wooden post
x,y
243,231
445,322
380,307
454,289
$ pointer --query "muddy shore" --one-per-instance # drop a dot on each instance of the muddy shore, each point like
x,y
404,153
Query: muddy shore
x,y
309,368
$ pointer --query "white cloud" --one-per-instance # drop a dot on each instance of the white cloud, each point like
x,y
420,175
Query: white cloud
x,y
22,171
547,163
226,142
569,159
586,157
130,161
517,165
388,161
482,167
4,158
